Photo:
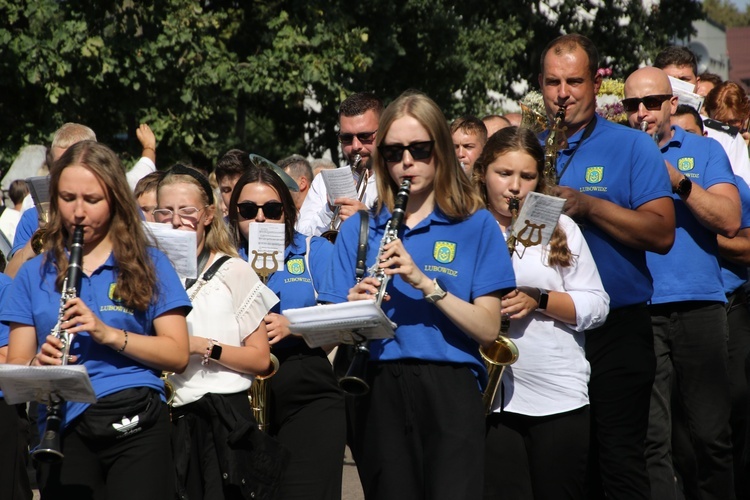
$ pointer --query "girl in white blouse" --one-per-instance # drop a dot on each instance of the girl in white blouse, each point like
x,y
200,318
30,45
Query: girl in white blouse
x,y
538,434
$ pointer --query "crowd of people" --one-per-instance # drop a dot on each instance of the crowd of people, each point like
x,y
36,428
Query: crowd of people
x,y
631,318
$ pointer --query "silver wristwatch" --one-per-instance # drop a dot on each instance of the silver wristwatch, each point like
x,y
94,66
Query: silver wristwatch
x,y
436,294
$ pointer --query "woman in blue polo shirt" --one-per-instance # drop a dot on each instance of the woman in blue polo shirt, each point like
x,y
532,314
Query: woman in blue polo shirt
x,y
129,325
538,434
423,429
307,412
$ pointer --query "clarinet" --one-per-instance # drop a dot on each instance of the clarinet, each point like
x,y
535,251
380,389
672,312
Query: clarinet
x,y
354,382
49,449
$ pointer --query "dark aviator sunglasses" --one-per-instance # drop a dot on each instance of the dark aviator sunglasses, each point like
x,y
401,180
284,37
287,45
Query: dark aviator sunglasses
x,y
271,210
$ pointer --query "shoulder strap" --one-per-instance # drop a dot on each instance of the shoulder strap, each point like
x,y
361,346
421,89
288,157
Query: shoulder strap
x,y
364,230
215,267
307,265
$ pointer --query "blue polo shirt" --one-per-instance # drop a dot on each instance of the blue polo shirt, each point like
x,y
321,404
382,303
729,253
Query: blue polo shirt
x,y
295,284
469,256
735,275
690,271
623,166
5,282
33,300
28,224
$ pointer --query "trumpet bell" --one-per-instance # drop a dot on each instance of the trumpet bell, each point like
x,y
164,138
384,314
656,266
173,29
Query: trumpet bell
x,y
502,352
260,396
330,235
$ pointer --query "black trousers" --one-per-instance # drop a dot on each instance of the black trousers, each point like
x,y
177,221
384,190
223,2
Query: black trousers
x,y
137,467
14,452
621,354
423,433
308,419
539,458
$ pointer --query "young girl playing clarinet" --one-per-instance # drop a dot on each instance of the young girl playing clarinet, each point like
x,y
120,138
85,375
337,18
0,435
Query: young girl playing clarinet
x,y
423,426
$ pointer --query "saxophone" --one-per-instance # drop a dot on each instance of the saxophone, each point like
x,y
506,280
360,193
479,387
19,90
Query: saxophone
x,y
502,352
354,382
49,449
552,145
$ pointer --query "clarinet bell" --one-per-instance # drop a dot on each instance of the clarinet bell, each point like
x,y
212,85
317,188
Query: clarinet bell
x,y
354,382
49,449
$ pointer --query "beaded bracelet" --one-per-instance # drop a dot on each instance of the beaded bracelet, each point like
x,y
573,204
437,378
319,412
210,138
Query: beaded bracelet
x,y
207,354
126,342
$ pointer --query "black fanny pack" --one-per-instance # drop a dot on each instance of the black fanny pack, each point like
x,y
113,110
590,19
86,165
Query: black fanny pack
x,y
120,415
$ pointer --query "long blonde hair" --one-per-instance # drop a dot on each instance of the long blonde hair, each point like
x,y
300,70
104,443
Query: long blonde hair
x,y
218,238
454,194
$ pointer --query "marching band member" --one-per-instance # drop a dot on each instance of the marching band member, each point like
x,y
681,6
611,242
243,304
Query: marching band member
x,y
228,342
424,421
307,410
538,436
129,325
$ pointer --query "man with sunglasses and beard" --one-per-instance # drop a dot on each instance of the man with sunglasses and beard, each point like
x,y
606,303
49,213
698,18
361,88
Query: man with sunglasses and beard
x,y
358,126
687,307
615,185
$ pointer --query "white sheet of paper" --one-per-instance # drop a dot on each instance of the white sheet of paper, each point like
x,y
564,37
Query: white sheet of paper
x,y
339,183
179,246
685,93
346,323
537,219
35,383
265,247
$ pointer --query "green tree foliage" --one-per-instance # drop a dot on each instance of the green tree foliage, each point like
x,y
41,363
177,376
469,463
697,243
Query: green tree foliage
x,y
726,13
267,76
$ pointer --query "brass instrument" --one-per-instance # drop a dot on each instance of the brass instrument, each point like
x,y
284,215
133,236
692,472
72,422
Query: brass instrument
x,y
49,449
503,351
354,382
168,387
532,119
552,145
37,239
655,137
260,396
359,168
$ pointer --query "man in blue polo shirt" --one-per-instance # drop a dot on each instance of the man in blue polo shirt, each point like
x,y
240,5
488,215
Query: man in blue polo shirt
x,y
687,307
616,187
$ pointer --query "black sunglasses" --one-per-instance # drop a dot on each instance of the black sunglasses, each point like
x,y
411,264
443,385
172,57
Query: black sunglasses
x,y
271,210
363,137
395,152
651,102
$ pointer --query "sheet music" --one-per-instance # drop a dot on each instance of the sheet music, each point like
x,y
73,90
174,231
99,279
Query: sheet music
x,y
179,246
347,323
537,219
339,183
39,189
265,246
685,93
36,383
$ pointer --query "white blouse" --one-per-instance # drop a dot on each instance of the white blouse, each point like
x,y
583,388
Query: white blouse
x,y
227,308
551,374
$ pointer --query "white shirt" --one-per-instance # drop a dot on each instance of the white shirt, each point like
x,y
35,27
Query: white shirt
x,y
315,215
551,374
736,150
227,308
8,223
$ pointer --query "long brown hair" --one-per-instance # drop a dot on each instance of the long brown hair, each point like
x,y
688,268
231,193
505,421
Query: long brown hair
x,y
454,194
136,277
521,139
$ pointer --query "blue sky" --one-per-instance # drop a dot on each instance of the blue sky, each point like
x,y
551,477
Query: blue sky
x,y
742,4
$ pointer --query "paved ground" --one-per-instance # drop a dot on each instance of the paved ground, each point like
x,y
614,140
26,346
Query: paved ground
x,y
350,487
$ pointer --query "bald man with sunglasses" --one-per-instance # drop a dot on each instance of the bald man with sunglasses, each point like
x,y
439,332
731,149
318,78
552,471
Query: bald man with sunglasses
x,y
687,307
359,115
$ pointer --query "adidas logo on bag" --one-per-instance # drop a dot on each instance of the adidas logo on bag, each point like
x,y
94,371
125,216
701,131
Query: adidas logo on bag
x,y
127,426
